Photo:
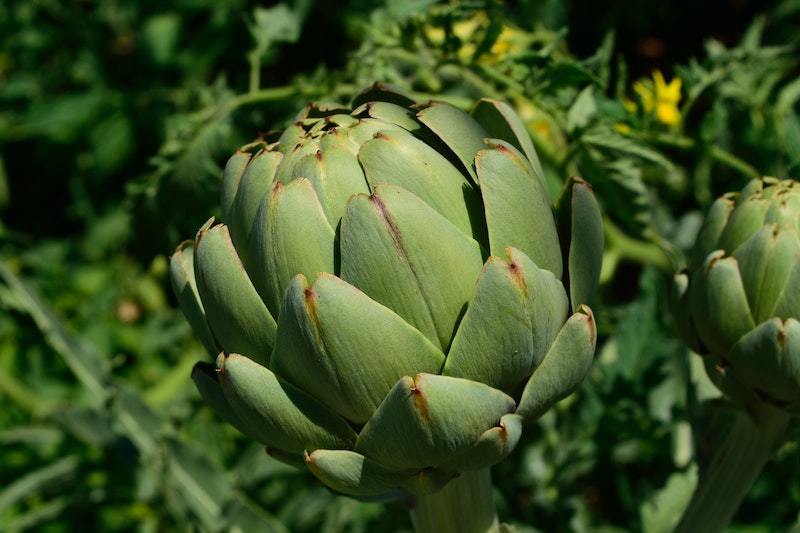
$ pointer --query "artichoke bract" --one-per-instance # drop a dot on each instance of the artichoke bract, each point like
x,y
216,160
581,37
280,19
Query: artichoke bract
x,y
391,294
738,303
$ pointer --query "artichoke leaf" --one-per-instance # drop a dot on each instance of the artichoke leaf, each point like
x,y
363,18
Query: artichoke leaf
x,y
755,188
293,152
458,130
729,382
335,176
353,474
580,226
766,262
492,447
744,221
563,368
786,212
238,318
767,360
399,158
297,460
708,236
291,236
684,323
206,380
181,270
717,290
516,311
255,182
358,349
392,113
428,420
501,122
231,177
518,211
277,413
365,130
406,256
788,302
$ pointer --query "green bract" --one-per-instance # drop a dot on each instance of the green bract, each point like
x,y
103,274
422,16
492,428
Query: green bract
x,y
739,302
391,291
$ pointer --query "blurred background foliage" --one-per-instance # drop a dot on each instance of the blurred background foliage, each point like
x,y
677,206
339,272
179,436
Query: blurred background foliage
x,y
115,119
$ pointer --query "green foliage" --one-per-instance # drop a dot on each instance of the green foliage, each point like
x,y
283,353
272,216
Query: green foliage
x,y
115,117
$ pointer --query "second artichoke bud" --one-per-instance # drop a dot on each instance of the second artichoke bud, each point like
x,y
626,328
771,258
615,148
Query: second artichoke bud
x,y
738,304
390,292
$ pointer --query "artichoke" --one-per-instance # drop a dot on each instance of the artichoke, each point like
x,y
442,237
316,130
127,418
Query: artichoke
x,y
739,301
391,294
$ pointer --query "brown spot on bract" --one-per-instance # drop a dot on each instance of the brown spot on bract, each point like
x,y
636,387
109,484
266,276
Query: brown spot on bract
x,y
503,433
712,263
222,376
517,276
782,337
420,402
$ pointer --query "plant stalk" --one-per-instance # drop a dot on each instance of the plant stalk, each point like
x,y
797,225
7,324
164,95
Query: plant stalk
x,y
746,449
465,505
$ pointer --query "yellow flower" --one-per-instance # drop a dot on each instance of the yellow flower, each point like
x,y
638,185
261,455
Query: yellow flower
x,y
473,30
659,97
667,98
511,40
436,36
464,29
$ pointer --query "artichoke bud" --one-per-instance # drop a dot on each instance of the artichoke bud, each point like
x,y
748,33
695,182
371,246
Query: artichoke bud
x,y
391,292
738,303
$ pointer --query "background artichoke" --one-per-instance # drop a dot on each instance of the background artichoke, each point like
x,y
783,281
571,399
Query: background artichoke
x,y
391,294
738,305
739,302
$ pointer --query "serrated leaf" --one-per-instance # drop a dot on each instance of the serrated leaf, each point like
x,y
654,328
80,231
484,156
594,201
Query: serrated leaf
x,y
38,480
243,516
661,512
607,139
202,485
84,361
621,188
278,24
582,111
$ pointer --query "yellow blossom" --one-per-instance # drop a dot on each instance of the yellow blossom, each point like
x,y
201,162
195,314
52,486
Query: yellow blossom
x,y
436,35
511,40
464,29
659,97
667,98
470,31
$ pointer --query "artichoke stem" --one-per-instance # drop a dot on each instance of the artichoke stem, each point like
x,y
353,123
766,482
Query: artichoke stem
x,y
465,505
746,449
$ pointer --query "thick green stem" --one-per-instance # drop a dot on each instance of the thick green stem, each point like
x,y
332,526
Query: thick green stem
x,y
715,152
620,246
465,505
746,449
